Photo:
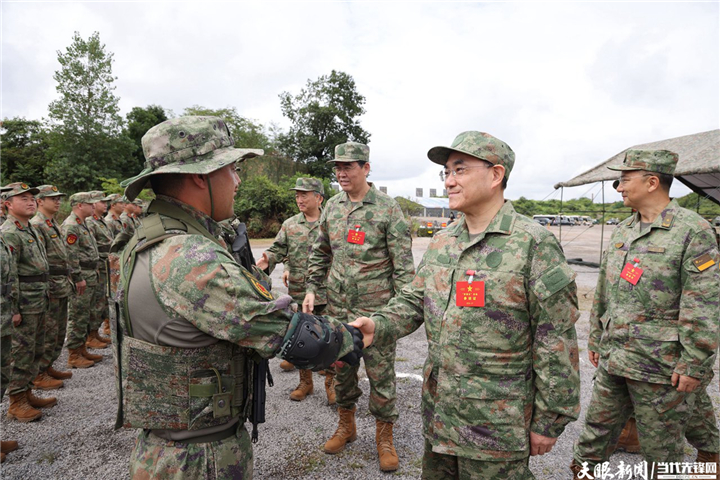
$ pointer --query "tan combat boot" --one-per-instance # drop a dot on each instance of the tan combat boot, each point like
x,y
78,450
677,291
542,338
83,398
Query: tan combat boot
x,y
345,433
575,469
330,387
57,374
37,402
93,341
304,388
90,356
21,410
100,338
386,451
77,360
628,440
709,457
43,381
7,446
105,330
287,366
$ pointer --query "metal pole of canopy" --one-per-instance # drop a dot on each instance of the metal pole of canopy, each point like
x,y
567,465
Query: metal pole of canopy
x,y
602,222
562,189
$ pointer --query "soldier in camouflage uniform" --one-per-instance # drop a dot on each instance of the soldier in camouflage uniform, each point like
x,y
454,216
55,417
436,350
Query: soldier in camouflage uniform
x,y
61,287
28,253
115,209
84,264
654,322
126,219
104,238
363,253
499,304
191,318
292,247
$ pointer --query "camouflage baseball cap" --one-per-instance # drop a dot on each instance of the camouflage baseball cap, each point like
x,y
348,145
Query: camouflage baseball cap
x,y
190,144
309,184
479,145
100,196
16,188
114,198
351,152
82,197
660,161
138,202
49,191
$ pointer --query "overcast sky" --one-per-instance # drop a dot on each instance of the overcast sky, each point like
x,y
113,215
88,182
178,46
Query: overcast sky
x,y
566,85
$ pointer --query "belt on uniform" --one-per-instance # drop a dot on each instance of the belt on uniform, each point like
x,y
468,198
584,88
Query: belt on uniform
x,y
88,265
33,278
211,437
59,271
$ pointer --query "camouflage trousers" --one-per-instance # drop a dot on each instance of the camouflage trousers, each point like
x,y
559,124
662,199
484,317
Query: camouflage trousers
x,y
82,312
100,301
380,369
437,466
661,413
28,345
5,366
55,328
160,459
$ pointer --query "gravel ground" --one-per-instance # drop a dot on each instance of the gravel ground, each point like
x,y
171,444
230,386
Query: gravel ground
x,y
76,440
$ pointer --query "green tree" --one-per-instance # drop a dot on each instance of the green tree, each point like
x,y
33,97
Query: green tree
x,y
139,121
324,114
86,140
246,133
24,151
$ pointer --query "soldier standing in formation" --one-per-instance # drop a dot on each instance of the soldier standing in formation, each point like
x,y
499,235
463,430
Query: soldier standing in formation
x,y
499,305
103,238
292,247
363,253
28,253
127,218
654,321
61,287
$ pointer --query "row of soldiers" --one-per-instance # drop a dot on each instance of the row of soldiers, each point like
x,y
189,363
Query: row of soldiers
x,y
53,286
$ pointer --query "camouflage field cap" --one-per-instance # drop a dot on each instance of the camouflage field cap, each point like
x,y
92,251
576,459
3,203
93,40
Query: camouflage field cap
x,y
138,202
82,197
100,196
16,188
479,145
309,184
49,191
186,145
660,161
115,198
351,152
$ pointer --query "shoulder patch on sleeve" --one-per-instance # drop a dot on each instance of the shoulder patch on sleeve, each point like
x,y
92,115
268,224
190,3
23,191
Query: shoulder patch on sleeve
x,y
257,286
553,280
703,262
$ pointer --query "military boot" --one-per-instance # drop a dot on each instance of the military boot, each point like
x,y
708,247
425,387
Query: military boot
x,y
575,469
57,374
386,451
709,457
7,446
628,440
105,330
287,366
43,381
37,402
99,337
93,341
345,433
90,356
330,387
20,409
304,388
77,360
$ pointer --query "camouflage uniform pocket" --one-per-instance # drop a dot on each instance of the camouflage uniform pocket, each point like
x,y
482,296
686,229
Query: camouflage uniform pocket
x,y
203,412
658,347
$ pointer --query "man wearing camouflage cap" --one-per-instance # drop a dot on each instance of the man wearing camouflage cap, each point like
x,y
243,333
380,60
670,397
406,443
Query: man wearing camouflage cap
x,y
191,319
127,218
84,265
115,209
292,247
499,305
28,253
61,287
363,252
103,238
654,321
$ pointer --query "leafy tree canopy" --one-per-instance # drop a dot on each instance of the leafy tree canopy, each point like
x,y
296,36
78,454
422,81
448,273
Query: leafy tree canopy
x,y
24,151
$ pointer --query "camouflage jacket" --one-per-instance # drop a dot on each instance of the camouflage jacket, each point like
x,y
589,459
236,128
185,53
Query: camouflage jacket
x,y
82,249
292,246
9,300
128,223
668,321
114,223
494,372
29,255
57,255
360,278
102,233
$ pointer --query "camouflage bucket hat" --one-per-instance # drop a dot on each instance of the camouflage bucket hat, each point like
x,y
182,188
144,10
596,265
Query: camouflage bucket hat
x,y
82,197
351,152
660,161
309,184
49,191
16,188
479,145
191,144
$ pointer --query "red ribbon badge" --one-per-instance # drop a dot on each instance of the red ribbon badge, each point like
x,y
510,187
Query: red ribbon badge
x,y
470,294
356,236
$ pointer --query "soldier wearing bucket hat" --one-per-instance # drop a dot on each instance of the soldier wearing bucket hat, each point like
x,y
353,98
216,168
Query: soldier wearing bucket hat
x,y
292,247
103,238
499,305
191,309
363,252
662,259
61,287
28,344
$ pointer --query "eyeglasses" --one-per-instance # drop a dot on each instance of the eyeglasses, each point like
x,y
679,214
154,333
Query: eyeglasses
x,y
344,168
624,180
459,171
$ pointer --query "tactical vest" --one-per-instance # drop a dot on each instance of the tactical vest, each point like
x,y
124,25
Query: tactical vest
x,y
172,388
